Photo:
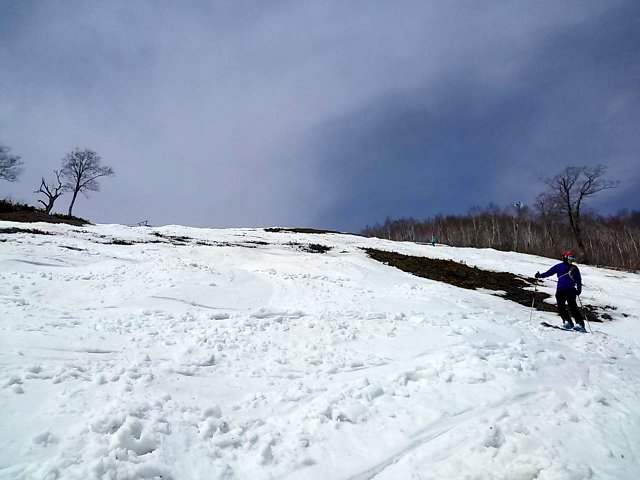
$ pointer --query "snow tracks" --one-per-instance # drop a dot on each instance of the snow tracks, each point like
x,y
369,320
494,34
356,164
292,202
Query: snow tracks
x,y
215,362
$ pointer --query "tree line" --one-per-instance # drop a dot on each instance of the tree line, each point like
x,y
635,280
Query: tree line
x,y
80,172
557,221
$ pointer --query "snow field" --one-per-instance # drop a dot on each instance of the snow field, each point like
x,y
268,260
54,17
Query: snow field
x,y
239,359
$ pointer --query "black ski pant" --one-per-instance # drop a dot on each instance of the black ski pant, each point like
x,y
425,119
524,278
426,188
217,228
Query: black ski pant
x,y
568,297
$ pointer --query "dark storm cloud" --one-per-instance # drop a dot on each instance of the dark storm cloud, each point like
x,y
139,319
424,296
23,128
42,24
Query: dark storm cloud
x,y
408,158
331,114
463,142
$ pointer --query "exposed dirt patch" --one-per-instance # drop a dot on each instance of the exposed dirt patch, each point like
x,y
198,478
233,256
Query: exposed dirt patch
x,y
183,240
247,244
506,285
298,230
316,248
117,241
310,248
32,216
176,240
75,249
23,230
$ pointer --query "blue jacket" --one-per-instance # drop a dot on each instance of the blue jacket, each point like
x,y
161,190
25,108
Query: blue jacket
x,y
567,280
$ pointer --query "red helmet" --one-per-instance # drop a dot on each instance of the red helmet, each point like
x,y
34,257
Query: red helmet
x,y
568,253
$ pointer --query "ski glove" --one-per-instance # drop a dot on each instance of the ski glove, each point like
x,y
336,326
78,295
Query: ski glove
x,y
537,274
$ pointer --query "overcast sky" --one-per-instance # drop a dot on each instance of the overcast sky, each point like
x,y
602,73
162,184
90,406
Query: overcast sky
x,y
325,114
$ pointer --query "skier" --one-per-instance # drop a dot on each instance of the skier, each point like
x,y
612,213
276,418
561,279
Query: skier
x,y
569,287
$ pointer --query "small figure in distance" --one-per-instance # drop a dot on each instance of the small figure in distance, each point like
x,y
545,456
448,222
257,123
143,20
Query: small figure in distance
x,y
569,287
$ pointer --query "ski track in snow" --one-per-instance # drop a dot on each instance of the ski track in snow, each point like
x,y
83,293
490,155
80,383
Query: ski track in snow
x,y
159,360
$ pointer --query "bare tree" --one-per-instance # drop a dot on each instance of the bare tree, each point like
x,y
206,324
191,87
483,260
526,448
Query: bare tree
x,y
51,196
568,191
611,241
10,165
80,172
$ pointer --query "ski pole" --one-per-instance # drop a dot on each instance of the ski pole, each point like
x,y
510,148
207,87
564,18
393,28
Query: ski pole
x,y
584,314
533,300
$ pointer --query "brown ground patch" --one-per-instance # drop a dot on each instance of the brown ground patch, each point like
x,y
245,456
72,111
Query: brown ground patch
x,y
507,285
14,230
27,216
297,230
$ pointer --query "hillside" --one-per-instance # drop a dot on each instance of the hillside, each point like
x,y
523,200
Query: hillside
x,y
22,213
183,353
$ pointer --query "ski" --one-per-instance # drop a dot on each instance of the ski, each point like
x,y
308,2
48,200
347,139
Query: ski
x,y
545,324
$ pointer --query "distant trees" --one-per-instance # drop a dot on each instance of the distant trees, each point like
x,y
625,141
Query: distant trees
x,y
80,172
10,165
51,194
558,221
613,241
567,193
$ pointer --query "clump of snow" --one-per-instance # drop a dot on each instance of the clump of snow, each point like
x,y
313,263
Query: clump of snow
x,y
225,354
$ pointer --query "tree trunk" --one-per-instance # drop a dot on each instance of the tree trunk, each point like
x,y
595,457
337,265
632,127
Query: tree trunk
x,y
578,234
574,222
73,200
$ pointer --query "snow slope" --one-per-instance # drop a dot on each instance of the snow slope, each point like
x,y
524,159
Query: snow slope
x,y
237,354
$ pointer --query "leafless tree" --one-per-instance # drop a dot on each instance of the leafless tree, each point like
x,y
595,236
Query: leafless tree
x,y
80,172
10,165
51,196
568,191
612,241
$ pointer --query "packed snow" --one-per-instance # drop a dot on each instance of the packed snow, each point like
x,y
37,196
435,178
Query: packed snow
x,y
183,353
